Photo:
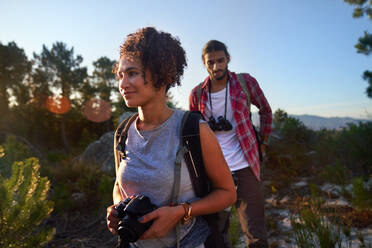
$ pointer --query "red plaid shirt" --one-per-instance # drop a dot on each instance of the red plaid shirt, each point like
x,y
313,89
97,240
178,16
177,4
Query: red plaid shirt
x,y
244,128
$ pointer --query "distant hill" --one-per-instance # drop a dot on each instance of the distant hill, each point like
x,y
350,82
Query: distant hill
x,y
316,122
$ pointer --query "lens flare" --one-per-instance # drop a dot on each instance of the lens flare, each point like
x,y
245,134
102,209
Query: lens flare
x,y
58,104
97,110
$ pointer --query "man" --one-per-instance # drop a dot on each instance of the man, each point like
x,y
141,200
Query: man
x,y
223,102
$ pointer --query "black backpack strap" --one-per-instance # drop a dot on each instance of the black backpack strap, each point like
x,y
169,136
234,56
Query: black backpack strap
x,y
200,181
120,137
193,157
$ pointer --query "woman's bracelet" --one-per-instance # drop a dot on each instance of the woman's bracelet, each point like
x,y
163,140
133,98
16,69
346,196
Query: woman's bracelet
x,y
187,217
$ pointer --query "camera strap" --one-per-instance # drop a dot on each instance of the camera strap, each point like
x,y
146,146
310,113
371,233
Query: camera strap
x,y
210,98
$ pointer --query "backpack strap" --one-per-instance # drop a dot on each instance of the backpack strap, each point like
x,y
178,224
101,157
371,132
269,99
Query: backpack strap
x,y
200,182
198,92
120,137
190,138
243,85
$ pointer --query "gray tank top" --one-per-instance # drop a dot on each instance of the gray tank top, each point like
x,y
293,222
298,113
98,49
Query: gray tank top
x,y
148,170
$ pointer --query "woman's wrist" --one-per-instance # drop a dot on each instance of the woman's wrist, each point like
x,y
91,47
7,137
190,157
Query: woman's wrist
x,y
187,208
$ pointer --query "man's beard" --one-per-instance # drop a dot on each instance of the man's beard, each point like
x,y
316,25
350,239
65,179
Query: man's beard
x,y
223,75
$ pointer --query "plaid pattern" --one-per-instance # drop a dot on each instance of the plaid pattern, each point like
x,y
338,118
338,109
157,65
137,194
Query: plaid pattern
x,y
244,128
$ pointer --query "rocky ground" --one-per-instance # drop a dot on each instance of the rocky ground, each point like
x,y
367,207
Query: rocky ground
x,y
279,207
77,230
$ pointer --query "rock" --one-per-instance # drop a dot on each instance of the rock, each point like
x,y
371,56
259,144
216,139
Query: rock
x,y
284,200
272,201
338,202
78,197
286,223
300,184
100,152
331,188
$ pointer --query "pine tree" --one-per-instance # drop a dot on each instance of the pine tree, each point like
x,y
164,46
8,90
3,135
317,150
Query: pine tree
x,y
24,206
364,46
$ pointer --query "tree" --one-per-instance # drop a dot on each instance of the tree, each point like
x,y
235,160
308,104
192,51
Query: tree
x,y
24,206
364,46
63,69
280,116
104,78
14,66
64,73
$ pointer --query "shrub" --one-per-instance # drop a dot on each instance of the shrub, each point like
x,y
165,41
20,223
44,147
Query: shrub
x,y
87,180
235,230
336,173
350,146
13,151
313,229
362,195
289,153
24,206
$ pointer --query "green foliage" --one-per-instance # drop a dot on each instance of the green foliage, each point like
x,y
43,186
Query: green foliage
x,y
280,116
13,151
364,46
55,156
62,68
87,138
362,7
92,186
288,153
315,190
24,206
336,173
170,101
14,66
104,79
235,231
313,229
349,147
362,194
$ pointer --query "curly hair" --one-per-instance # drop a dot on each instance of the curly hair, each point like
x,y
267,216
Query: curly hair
x,y
159,52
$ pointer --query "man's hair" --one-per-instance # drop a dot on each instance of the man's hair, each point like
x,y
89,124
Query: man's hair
x,y
159,52
214,45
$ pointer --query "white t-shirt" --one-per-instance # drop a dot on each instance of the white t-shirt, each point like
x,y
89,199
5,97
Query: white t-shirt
x,y
228,140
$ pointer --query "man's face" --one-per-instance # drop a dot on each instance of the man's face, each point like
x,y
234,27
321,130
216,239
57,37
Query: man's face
x,y
216,64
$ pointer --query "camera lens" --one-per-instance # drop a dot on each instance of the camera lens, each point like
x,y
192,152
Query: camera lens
x,y
223,124
212,123
130,229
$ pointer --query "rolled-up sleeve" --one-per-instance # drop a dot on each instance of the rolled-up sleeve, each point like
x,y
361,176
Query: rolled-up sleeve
x,y
259,100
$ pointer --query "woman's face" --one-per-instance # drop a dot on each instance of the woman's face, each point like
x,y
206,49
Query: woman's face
x,y
132,86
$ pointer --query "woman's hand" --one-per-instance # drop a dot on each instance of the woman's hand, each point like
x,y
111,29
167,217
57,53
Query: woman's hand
x,y
112,220
165,218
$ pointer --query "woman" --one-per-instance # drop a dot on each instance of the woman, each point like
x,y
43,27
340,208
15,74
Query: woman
x,y
150,63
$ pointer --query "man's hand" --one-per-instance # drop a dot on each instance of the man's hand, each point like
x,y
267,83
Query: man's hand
x,y
263,150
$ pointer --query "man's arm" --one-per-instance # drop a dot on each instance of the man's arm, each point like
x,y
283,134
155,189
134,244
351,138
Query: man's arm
x,y
259,100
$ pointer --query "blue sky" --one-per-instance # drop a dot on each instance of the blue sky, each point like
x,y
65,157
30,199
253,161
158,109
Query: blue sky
x,y
301,52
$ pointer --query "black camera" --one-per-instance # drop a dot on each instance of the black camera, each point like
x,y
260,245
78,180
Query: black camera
x,y
129,210
221,125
